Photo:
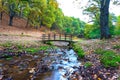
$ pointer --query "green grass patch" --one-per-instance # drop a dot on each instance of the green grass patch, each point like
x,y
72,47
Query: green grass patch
x,y
31,50
37,49
108,58
6,45
116,47
49,43
88,64
79,50
16,47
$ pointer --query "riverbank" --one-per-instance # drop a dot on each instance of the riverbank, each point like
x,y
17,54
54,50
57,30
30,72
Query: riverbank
x,y
97,59
30,59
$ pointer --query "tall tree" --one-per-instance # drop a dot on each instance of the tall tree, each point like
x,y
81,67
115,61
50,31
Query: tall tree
x,y
101,8
1,9
104,19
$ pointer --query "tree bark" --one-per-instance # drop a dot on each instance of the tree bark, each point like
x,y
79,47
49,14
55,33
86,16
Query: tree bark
x,y
104,19
11,13
27,23
1,15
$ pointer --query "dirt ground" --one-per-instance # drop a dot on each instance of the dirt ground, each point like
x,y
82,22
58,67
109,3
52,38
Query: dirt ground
x,y
19,32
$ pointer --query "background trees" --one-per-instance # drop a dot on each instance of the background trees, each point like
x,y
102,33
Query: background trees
x,y
117,27
99,10
47,13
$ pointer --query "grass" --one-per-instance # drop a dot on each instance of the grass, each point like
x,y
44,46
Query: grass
x,y
108,58
88,64
116,47
79,50
17,47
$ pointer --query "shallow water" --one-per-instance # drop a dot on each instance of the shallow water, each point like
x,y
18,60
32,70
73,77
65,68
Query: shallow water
x,y
61,64
65,65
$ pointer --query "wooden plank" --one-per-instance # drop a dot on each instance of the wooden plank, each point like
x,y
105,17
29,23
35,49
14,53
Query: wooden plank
x,y
58,37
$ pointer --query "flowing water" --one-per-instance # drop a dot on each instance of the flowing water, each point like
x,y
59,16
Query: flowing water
x,y
64,65
55,64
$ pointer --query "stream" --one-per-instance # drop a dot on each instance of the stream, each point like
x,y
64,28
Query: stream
x,y
64,64
53,64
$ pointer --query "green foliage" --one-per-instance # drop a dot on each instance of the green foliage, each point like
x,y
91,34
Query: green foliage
x,y
11,47
49,43
79,51
112,19
109,58
44,47
91,31
117,27
73,26
100,51
7,44
88,64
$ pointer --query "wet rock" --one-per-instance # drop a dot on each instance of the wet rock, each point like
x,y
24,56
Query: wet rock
x,y
1,77
36,56
32,70
63,77
23,65
44,68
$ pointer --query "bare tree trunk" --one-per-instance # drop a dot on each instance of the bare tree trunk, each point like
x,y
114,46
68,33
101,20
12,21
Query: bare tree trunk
x,y
1,15
27,23
104,19
11,21
11,13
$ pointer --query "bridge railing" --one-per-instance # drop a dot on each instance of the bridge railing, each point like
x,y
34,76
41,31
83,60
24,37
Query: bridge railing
x,y
64,37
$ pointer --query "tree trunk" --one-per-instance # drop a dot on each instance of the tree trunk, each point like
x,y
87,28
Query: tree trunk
x,y
104,19
11,20
27,23
11,15
1,15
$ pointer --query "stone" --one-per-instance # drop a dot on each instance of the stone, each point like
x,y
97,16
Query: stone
x,y
1,77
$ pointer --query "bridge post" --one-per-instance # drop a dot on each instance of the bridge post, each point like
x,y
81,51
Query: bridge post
x,y
65,37
60,36
43,37
48,36
71,37
54,36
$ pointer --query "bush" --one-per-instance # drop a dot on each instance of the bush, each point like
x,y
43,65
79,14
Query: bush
x,y
79,51
108,58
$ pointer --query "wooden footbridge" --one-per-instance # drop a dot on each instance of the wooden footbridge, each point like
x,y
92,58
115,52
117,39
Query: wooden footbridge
x,y
57,37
